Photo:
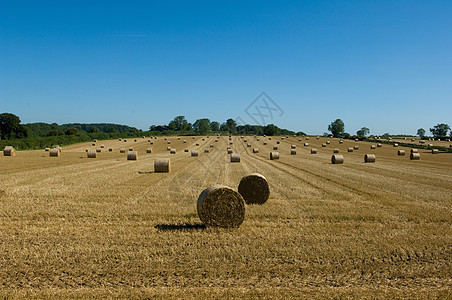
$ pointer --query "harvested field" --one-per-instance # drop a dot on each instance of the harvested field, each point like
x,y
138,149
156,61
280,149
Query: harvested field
x,y
105,227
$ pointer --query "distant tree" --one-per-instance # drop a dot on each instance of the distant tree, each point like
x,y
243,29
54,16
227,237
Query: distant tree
x,y
215,126
230,126
11,128
71,131
55,133
421,132
440,130
179,123
189,127
337,127
152,128
94,130
363,132
202,126
271,129
301,133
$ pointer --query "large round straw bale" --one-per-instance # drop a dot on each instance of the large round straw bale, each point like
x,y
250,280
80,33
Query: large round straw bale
x,y
337,159
265,143
435,151
102,146
306,144
130,149
55,152
165,139
95,141
248,145
120,139
341,142
110,149
275,147
125,141
413,140
313,151
245,140
211,145
162,165
396,145
186,150
293,147
229,151
415,156
122,150
328,142
178,138
149,140
194,153
98,150
269,138
151,143
369,158
91,153
356,140
323,145
400,152
216,141
221,206
9,151
203,139
421,142
169,142
48,149
372,147
335,150
293,152
274,155
350,149
132,155
254,189
184,141
258,139
149,150
277,142
235,157
414,150
206,150
429,145
356,148
307,138
197,144
379,145
168,148
172,151
93,144
256,150
135,140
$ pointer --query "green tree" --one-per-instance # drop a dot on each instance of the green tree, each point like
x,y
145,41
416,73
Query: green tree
x,y
71,131
363,132
271,129
421,132
440,130
11,128
202,126
215,126
230,126
179,123
337,127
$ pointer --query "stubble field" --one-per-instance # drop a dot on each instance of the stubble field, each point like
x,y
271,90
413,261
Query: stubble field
x,y
108,227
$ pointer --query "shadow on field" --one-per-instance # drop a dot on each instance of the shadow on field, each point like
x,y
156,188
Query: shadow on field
x,y
180,227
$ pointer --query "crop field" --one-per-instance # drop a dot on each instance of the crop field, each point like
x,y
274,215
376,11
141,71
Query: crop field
x,y
78,227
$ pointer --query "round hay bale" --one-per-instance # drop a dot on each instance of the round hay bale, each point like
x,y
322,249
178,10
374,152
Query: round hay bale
x,y
269,138
91,153
274,155
151,143
328,142
132,155
162,165
235,157
349,149
307,138
197,144
336,150
203,139
341,142
149,150
48,149
435,151
135,140
245,140
275,147
194,153
379,145
130,149
231,143
293,147
185,150
168,148
369,158
149,140
216,141
415,156
248,145
110,149
306,144
277,142
430,145
169,142
165,139
373,147
258,139
413,140
9,151
313,151
421,142
211,145
254,189
86,150
172,151
93,144
184,141
125,141
414,151
356,148
95,141
396,145
323,145
102,146
356,140
122,150
400,152
337,159
293,152
206,150
119,139
255,150
98,150
265,143
229,151
221,206
55,152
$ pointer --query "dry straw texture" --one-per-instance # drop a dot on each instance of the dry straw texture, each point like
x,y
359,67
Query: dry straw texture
x,y
235,157
337,159
221,206
132,155
274,155
55,152
369,158
9,151
91,153
162,165
415,156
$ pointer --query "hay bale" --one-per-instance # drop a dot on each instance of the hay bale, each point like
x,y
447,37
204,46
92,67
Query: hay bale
x,y
435,151
184,141
323,145
229,151
274,155
265,143
48,149
379,145
356,148
337,159
306,144
98,150
95,141
349,149
110,149
401,152
86,150
254,189
102,146
122,150
293,147
151,143
313,151
221,206
149,150
130,149
185,150
277,142
172,151
396,145
335,150
248,145
119,139
369,158
168,148
93,144
414,151
169,142
211,145
275,147
9,151
91,153
194,153
429,145
55,152
245,140
341,142
269,138
235,157
132,155
258,139
415,156
135,140
206,150
413,140
125,141
373,147
255,150
356,140
293,152
307,138
328,142
162,165
421,142
197,144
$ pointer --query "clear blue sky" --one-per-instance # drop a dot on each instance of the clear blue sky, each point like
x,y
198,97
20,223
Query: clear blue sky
x,y
386,65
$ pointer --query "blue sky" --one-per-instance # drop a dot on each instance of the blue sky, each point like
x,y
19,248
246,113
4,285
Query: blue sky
x,y
386,65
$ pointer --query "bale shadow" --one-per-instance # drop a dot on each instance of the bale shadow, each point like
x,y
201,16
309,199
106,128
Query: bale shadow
x,y
180,227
